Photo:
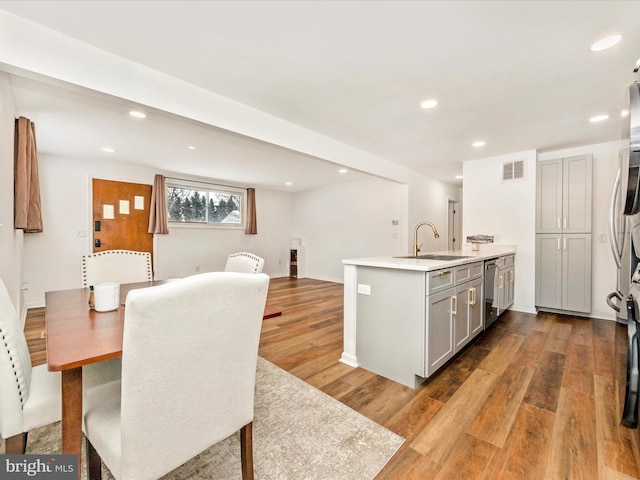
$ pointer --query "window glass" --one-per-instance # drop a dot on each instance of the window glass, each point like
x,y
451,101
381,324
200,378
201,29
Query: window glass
x,y
208,205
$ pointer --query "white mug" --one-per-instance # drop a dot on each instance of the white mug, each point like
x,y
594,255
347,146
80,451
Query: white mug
x,y
106,296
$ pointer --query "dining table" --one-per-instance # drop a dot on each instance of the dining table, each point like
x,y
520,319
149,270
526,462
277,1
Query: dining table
x,y
77,335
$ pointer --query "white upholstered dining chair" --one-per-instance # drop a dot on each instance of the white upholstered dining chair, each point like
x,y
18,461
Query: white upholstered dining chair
x,y
189,355
244,262
30,397
120,266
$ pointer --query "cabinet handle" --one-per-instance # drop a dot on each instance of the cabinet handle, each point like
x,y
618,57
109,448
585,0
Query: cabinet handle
x,y
558,244
558,223
444,272
501,281
564,243
454,309
511,275
565,223
472,294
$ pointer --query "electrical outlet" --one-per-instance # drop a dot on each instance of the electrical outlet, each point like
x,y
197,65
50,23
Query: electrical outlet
x,y
395,222
81,233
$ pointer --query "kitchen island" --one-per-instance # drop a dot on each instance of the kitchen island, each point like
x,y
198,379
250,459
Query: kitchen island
x,y
405,317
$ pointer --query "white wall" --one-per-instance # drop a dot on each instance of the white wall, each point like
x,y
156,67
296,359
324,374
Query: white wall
x,y
52,258
188,250
346,221
505,210
11,241
429,200
354,220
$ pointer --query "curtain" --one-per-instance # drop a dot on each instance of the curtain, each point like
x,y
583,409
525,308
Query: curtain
x,y
158,222
252,223
26,189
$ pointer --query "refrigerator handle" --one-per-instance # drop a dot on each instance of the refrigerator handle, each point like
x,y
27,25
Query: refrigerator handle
x,y
613,238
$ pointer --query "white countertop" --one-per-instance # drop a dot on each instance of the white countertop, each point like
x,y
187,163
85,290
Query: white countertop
x,y
485,252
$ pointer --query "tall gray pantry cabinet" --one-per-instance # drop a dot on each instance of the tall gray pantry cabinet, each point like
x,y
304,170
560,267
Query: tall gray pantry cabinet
x,y
563,234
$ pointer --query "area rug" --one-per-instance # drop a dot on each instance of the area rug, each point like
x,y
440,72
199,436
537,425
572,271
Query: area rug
x,y
299,433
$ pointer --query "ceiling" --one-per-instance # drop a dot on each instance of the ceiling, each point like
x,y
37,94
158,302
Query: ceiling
x,y
518,75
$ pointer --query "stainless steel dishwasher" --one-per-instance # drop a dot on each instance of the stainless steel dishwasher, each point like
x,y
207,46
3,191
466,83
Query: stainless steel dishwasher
x,y
490,291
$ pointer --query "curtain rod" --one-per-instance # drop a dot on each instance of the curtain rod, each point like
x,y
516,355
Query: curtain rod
x,y
204,183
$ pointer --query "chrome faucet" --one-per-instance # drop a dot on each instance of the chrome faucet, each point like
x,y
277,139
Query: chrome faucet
x,y
416,248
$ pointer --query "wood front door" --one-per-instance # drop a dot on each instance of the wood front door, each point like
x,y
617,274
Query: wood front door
x,y
121,216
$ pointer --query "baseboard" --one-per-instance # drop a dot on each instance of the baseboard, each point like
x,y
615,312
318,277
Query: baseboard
x,y
349,359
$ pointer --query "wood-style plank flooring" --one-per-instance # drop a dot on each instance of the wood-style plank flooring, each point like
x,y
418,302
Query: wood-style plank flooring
x,y
534,397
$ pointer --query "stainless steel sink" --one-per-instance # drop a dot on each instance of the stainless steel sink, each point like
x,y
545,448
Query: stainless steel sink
x,y
435,256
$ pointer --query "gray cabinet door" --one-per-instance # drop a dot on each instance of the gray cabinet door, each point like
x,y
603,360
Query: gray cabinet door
x,y
549,270
563,272
460,313
576,273
576,194
439,343
563,195
506,282
470,306
549,196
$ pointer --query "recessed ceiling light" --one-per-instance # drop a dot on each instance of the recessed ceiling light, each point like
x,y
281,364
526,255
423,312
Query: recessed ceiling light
x,y
458,177
599,118
137,114
606,42
343,170
108,149
191,147
288,183
479,143
624,113
429,103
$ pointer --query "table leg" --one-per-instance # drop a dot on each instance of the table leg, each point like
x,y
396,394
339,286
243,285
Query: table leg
x,y
72,413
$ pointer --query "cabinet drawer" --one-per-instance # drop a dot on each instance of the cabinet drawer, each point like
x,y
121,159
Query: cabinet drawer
x,y
464,273
508,260
439,280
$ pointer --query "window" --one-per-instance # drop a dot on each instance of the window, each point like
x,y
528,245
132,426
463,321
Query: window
x,y
205,204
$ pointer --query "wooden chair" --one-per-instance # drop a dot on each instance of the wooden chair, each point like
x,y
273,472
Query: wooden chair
x,y
30,397
120,266
244,262
189,355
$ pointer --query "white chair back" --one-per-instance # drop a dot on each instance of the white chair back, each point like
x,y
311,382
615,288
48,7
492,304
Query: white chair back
x,y
15,368
120,266
189,355
244,262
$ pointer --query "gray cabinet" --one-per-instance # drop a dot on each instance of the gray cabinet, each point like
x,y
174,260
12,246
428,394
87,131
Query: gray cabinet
x,y
506,281
467,313
440,346
563,272
563,234
563,195
454,313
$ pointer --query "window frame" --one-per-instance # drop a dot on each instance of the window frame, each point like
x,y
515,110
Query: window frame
x,y
209,188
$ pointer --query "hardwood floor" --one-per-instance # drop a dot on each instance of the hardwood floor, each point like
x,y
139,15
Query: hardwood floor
x,y
534,397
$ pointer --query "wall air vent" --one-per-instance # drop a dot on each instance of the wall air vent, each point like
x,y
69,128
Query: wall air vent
x,y
513,170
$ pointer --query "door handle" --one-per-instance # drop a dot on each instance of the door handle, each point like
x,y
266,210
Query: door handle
x,y
472,295
454,301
